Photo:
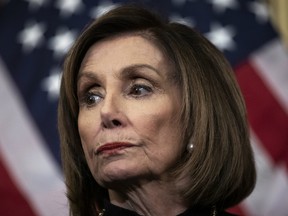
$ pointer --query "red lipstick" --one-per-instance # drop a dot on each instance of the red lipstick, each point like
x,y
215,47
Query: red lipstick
x,y
113,148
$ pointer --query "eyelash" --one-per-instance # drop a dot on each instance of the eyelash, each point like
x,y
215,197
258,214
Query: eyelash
x,y
89,99
136,87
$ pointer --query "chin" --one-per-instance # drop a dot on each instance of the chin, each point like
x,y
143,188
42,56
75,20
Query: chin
x,y
117,172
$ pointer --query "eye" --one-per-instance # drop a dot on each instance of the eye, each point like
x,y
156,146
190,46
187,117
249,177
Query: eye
x,y
91,99
140,90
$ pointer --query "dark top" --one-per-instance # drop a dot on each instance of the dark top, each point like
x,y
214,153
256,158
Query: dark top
x,y
112,210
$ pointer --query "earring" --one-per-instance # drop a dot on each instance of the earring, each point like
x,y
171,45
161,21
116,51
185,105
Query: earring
x,y
190,147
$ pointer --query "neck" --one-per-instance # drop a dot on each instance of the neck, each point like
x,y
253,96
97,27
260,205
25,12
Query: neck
x,y
152,198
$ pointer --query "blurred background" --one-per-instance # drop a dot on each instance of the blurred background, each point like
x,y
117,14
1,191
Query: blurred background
x,y
36,34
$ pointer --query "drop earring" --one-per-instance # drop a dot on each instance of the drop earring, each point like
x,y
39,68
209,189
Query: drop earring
x,y
190,147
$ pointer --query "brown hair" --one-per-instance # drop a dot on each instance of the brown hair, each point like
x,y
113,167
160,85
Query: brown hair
x,y
221,168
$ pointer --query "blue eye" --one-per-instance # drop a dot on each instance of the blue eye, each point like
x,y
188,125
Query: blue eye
x,y
92,98
140,90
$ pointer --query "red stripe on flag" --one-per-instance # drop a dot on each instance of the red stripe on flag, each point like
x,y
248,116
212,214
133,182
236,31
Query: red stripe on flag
x,y
238,210
12,202
266,117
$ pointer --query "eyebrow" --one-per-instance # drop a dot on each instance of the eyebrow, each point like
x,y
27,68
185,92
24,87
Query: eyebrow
x,y
131,69
126,72
87,74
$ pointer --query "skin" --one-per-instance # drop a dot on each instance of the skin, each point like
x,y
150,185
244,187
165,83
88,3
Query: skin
x,y
126,97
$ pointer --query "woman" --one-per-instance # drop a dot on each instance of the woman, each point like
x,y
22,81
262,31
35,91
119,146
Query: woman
x,y
151,121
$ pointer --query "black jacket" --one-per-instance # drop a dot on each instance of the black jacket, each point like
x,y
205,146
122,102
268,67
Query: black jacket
x,y
112,210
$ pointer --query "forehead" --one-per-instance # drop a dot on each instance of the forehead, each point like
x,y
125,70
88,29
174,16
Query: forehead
x,y
122,51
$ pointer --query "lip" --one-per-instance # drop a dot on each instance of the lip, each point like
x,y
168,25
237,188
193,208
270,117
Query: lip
x,y
113,147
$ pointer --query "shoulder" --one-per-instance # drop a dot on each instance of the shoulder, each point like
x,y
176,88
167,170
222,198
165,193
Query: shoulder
x,y
205,212
226,214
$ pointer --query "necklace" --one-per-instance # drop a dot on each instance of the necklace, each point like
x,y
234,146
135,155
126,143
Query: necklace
x,y
101,213
213,211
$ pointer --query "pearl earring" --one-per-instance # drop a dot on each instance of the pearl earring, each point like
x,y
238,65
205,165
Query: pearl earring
x,y
190,147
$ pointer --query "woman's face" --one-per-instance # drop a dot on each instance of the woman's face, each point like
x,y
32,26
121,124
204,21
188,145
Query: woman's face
x,y
129,110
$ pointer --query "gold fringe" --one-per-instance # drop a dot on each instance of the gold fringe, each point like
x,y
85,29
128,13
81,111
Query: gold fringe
x,y
279,16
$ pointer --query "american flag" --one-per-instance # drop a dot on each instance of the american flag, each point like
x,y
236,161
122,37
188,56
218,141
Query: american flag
x,y
34,37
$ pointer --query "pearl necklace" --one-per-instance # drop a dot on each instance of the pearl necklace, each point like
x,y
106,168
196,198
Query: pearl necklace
x,y
214,211
102,212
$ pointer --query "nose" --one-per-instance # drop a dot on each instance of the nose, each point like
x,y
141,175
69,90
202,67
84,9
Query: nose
x,y
111,112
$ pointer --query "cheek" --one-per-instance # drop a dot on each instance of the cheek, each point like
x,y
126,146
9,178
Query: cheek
x,y
160,123
87,128
87,125
161,133
147,122
83,128
154,123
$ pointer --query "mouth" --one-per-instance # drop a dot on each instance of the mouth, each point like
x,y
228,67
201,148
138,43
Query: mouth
x,y
113,148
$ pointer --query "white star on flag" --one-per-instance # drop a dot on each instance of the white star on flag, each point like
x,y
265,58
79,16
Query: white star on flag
x,y
36,4
260,10
222,37
62,41
180,2
31,36
52,83
102,8
68,7
222,5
